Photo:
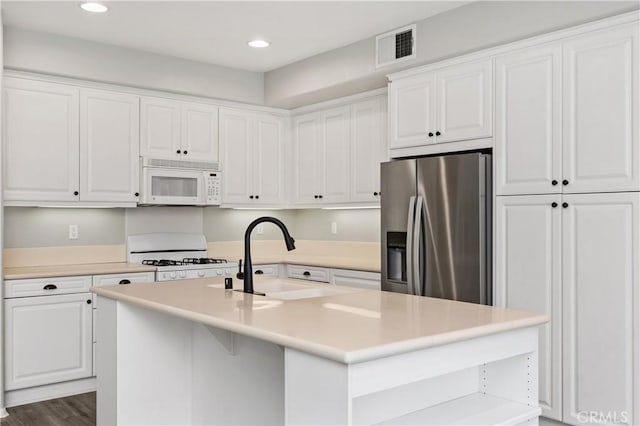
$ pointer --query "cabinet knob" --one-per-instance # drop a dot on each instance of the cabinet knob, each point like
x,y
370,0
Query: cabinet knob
x,y
251,197
375,194
319,196
554,182
565,205
259,272
124,282
315,196
257,197
565,182
137,194
554,204
430,134
50,287
306,273
88,301
438,133
185,152
75,192
178,152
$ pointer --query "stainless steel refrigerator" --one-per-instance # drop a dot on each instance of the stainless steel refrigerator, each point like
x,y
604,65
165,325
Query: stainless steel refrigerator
x,y
436,227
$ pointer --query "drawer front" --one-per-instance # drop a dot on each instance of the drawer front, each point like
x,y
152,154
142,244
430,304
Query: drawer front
x,y
115,279
308,273
360,279
46,286
267,270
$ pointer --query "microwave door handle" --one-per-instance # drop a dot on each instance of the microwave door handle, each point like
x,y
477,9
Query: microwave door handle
x,y
416,249
409,244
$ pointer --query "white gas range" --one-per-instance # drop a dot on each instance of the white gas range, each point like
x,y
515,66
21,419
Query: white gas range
x,y
177,256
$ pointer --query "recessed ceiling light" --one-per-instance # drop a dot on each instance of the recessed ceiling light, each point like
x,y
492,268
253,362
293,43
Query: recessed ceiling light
x,y
94,7
258,43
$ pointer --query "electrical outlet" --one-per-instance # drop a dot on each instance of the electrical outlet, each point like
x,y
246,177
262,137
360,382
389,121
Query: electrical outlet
x,y
334,228
73,232
260,229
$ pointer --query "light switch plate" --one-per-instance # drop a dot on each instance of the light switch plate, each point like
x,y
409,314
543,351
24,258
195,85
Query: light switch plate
x,y
73,232
334,228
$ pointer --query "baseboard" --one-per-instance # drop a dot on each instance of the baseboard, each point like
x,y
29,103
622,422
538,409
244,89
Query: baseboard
x,y
43,393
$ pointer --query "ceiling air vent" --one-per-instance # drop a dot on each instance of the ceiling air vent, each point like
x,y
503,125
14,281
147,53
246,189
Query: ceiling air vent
x,y
396,46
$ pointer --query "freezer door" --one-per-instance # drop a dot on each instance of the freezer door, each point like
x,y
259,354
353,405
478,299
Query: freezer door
x,y
398,187
454,256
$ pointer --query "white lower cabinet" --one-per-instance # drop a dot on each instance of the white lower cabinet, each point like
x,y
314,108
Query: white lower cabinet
x,y
47,340
351,278
586,253
267,270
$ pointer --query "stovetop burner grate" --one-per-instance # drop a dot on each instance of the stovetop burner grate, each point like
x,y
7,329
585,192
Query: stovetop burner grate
x,y
202,261
162,262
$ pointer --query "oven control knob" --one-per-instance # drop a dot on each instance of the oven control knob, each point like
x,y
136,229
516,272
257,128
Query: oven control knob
x,y
219,271
173,275
183,274
227,271
201,274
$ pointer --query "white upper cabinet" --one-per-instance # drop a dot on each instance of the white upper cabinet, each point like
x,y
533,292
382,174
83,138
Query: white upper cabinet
x,y
40,138
253,157
528,121
333,184
109,144
528,276
200,132
600,119
464,102
368,148
322,151
178,130
447,105
160,134
601,284
412,111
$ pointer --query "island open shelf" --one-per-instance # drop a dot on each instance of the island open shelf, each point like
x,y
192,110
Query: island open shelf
x,y
177,355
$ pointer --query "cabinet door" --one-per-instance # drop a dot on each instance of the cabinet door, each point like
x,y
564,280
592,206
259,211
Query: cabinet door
x,y
334,155
465,102
47,340
200,132
368,148
412,103
236,156
601,284
160,128
40,131
268,160
528,277
528,142
601,148
306,140
109,144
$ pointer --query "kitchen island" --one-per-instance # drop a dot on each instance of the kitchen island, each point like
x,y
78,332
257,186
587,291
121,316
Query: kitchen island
x,y
191,352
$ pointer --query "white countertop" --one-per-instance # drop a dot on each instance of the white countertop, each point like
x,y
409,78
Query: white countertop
x,y
74,270
356,326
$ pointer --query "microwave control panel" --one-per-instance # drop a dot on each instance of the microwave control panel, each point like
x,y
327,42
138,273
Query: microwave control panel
x,y
213,182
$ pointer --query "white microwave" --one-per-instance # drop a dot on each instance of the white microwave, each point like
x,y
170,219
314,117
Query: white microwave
x,y
185,183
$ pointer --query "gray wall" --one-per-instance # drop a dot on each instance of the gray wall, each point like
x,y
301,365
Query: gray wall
x,y
44,227
49,227
469,28
69,57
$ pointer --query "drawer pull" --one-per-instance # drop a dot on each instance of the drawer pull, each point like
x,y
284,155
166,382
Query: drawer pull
x,y
50,287
259,272
124,282
306,273
88,301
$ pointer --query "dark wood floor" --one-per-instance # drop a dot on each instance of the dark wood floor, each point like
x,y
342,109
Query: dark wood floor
x,y
77,410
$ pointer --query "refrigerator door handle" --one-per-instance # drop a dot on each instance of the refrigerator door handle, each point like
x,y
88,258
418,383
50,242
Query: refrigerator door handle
x,y
415,249
409,248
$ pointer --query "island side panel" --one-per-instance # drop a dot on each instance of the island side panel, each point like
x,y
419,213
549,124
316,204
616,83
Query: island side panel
x,y
106,364
316,390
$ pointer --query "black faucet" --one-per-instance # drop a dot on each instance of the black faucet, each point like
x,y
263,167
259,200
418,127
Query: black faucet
x,y
248,270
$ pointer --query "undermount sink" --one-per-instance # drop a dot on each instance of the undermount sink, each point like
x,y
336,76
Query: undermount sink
x,y
284,289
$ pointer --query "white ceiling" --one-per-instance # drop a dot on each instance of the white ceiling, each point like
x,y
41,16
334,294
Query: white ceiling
x,y
217,31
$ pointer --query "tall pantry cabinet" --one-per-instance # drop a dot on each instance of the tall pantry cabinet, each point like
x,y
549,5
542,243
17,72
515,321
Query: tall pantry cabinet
x,y
567,160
